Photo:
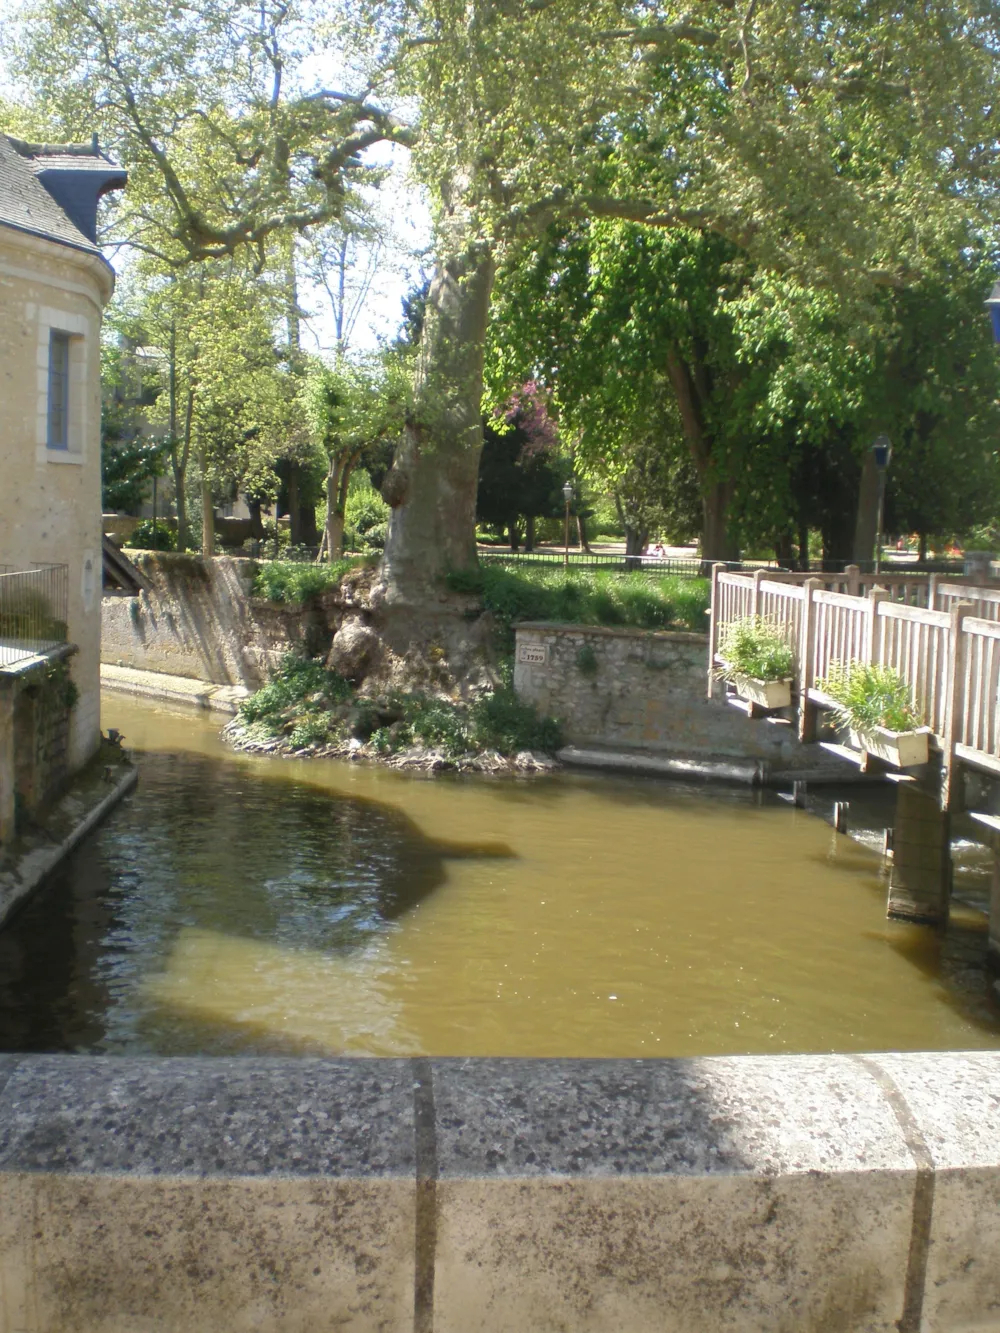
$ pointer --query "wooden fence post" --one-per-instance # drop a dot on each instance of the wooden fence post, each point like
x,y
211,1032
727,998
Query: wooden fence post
x,y
958,643
853,576
713,626
871,629
759,575
807,656
932,592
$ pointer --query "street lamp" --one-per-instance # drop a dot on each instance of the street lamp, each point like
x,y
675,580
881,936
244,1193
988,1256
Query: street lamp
x,y
992,304
882,453
568,497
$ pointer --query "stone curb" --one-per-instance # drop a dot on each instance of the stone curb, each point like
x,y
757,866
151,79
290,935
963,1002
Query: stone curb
x,y
776,1194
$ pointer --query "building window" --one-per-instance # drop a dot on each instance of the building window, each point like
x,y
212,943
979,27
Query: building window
x,y
58,432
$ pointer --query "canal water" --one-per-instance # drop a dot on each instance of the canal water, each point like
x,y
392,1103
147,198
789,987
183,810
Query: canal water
x,y
235,904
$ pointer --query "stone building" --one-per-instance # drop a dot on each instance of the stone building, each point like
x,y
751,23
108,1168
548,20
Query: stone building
x,y
54,285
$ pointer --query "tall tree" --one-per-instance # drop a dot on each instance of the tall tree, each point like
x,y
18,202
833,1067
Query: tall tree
x,y
830,140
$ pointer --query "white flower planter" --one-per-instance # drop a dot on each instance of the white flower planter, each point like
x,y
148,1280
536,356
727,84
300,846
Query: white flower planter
x,y
766,693
902,749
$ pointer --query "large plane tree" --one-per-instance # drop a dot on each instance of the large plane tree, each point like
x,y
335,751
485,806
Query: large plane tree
x,y
847,143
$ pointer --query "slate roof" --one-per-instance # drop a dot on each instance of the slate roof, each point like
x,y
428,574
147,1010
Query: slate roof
x,y
27,205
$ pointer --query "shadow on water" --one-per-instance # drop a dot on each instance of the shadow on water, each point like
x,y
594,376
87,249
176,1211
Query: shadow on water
x,y
204,851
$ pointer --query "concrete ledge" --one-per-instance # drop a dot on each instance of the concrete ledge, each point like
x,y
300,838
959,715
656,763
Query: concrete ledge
x,y
638,761
173,689
26,862
775,1195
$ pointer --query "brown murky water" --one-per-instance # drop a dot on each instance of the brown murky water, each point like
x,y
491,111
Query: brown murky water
x,y
239,904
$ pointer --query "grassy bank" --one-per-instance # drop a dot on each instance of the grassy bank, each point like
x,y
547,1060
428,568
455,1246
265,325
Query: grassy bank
x,y
642,601
306,706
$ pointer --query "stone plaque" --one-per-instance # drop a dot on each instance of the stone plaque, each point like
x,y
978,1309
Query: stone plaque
x,y
535,653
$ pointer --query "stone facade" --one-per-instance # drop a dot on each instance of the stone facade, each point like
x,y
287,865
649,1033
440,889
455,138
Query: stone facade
x,y
636,689
50,509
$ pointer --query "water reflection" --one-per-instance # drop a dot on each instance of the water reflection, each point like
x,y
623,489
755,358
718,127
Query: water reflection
x,y
232,900
241,904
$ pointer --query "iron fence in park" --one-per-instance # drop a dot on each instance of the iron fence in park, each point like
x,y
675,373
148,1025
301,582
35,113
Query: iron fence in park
x,y
33,611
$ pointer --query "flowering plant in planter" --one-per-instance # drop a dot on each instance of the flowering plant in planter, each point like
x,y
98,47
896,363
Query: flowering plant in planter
x,y
758,660
873,702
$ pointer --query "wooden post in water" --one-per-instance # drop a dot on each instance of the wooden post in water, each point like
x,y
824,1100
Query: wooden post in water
x,y
993,942
713,626
807,658
920,872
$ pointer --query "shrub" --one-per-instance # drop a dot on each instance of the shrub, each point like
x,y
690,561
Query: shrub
x,y
868,696
754,648
293,583
366,516
150,536
296,681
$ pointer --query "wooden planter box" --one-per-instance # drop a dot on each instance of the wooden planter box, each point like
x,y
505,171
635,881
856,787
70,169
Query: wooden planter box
x,y
766,693
902,749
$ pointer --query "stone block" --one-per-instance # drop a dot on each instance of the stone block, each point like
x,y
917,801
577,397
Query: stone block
x,y
771,1196
952,1103
190,1196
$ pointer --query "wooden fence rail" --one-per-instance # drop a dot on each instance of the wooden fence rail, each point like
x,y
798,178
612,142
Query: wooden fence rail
x,y
942,636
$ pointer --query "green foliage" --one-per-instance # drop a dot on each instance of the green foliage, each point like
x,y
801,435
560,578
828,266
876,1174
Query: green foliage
x,y
868,695
296,681
499,721
646,601
150,536
308,705
586,661
293,583
755,648
366,515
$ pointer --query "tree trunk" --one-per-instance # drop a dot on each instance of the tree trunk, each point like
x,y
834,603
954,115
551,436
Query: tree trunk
x,y
635,544
256,522
529,533
512,536
783,551
180,501
207,514
689,389
716,541
922,551
867,521
294,509
432,483
803,544
581,534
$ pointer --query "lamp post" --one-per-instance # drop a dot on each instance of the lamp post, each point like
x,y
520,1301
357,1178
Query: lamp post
x,y
882,451
568,497
992,304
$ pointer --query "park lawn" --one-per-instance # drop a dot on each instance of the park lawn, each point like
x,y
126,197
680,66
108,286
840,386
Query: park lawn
x,y
585,597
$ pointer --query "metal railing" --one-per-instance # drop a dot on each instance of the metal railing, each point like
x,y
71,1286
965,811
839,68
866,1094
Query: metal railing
x,y
33,611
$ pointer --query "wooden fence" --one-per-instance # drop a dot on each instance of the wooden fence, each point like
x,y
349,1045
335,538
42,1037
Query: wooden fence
x,y
941,635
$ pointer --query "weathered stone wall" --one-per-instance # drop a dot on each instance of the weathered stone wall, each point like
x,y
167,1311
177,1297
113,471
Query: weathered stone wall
x,y
50,498
781,1194
200,621
644,690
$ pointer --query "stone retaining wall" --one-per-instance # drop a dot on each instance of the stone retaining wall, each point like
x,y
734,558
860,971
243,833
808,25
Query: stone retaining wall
x,y
812,1194
641,689
199,621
